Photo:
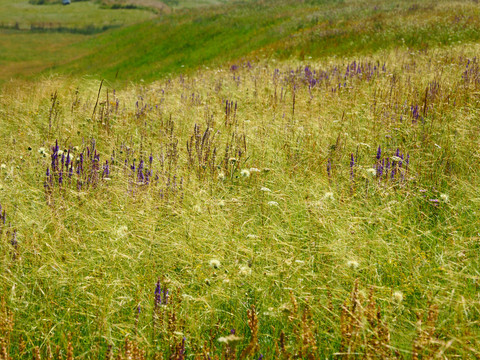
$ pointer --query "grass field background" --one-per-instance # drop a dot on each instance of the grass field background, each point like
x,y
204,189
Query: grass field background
x,y
243,181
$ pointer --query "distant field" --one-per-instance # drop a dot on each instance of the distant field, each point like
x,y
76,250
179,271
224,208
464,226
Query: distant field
x,y
36,37
277,29
24,53
76,15
194,3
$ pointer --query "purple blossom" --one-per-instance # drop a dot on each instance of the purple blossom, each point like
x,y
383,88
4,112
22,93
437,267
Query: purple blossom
x,y
14,241
158,294
379,169
352,164
140,175
106,170
165,296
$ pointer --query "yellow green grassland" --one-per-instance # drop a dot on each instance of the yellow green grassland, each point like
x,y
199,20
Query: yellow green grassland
x,y
292,199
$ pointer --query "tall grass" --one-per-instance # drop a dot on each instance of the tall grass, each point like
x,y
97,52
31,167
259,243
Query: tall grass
x,y
275,212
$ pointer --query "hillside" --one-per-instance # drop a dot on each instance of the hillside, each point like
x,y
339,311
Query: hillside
x,y
248,180
186,39
279,29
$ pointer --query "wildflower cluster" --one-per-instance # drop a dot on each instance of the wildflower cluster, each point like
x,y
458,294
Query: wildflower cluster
x,y
391,167
80,171
11,233
333,78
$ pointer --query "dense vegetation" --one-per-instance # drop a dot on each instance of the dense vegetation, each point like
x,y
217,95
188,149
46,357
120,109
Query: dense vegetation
x,y
301,182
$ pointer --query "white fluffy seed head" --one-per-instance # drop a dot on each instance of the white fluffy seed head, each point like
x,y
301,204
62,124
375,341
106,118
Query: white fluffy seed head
x,y
397,296
215,263
353,264
245,270
329,196
245,173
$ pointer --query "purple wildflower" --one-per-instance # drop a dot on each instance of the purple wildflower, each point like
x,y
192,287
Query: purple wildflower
x,y
14,241
140,175
106,170
352,164
158,294
380,169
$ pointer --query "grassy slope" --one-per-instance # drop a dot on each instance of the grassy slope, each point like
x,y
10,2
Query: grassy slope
x,y
87,260
184,40
25,53
211,36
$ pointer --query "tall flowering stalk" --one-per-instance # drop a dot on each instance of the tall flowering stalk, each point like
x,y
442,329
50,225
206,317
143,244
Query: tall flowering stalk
x,y
352,164
391,167
80,173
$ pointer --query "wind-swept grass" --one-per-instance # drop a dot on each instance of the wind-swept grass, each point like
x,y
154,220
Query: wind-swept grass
x,y
317,208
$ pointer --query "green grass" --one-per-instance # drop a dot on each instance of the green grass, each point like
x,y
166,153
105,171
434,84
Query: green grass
x,y
56,28
189,38
246,210
76,15
86,259
180,4
26,54
182,41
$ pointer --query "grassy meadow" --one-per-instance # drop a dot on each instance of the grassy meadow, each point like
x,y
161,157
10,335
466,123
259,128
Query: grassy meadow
x,y
289,199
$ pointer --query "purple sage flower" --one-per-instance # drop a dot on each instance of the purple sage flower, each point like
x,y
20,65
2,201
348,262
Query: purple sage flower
x,y
352,164
158,294
14,241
